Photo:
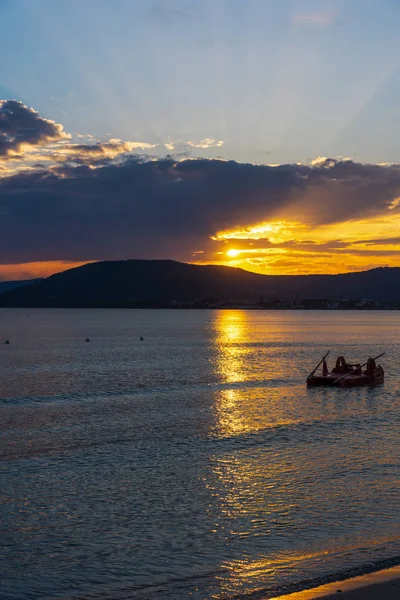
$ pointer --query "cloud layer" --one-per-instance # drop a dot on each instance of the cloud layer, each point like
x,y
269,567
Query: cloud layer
x,y
148,208
100,200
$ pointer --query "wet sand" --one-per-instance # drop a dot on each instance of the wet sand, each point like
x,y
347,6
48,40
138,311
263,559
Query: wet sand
x,y
382,585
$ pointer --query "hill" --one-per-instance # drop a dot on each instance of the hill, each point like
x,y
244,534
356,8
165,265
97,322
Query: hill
x,y
5,286
160,282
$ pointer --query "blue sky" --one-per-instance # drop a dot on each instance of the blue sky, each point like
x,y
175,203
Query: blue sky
x,y
266,81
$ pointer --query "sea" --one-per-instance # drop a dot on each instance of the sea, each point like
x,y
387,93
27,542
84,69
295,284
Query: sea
x,y
193,463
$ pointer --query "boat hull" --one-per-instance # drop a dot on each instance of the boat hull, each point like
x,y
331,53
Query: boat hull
x,y
322,381
348,382
360,381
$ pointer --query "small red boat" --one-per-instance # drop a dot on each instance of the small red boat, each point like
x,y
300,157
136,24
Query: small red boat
x,y
346,375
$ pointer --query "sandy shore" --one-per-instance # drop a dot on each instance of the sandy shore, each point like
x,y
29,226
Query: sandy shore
x,y
382,585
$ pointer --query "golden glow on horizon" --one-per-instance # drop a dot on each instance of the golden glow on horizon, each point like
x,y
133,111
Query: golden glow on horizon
x,y
36,269
291,247
279,247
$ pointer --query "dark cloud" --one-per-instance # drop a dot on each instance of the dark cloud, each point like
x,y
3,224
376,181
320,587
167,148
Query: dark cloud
x,y
148,208
379,241
337,191
110,149
21,125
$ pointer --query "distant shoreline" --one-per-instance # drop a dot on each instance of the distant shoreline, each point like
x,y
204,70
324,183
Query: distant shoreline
x,y
197,308
170,284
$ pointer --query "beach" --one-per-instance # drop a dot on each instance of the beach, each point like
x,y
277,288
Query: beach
x,y
382,585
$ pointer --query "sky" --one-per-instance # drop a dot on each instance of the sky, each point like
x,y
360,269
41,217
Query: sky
x,y
260,134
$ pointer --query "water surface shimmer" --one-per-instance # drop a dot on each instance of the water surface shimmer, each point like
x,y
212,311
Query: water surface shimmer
x,y
194,463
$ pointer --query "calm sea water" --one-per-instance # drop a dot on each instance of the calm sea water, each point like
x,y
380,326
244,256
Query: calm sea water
x,y
194,463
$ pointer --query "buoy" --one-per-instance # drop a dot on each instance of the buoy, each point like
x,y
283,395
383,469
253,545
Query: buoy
x,y
141,339
7,342
87,340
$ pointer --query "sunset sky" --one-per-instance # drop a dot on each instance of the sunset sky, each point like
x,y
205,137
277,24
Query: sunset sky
x,y
262,134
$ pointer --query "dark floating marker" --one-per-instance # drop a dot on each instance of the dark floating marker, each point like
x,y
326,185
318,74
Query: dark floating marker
x,y
141,339
7,342
87,340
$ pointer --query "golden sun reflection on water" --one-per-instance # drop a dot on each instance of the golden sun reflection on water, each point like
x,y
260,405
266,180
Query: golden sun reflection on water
x,y
232,333
231,330
247,357
245,485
